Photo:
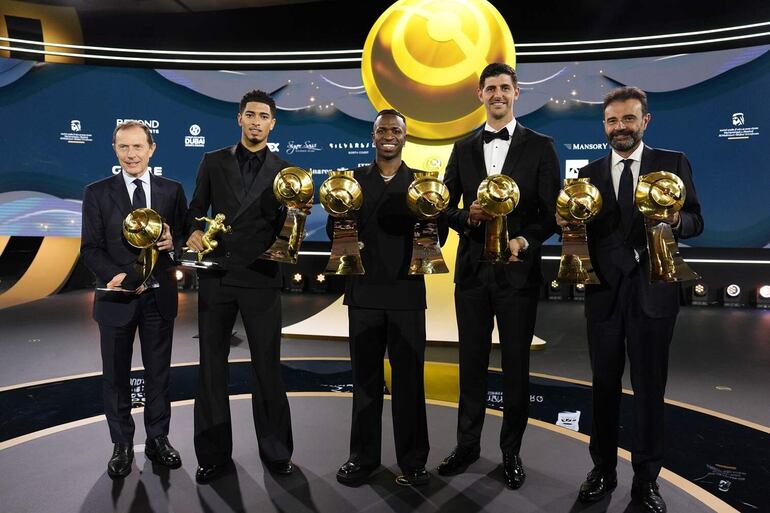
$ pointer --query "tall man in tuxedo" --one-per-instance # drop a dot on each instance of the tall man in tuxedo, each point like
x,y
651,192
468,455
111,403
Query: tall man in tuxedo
x,y
625,312
508,292
237,181
386,310
150,306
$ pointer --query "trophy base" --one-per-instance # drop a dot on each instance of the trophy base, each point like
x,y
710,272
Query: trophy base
x,y
576,269
114,289
426,251
344,265
665,262
286,247
203,264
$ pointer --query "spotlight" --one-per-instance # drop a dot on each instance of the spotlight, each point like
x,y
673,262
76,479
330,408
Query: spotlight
x,y
579,292
699,295
185,279
557,291
762,297
297,283
731,295
179,276
319,284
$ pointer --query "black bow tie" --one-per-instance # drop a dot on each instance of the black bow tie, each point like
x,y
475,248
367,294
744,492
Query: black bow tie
x,y
491,136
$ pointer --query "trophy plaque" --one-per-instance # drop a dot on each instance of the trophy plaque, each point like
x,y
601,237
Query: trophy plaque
x,y
341,195
427,197
498,196
577,203
142,228
658,195
293,188
195,259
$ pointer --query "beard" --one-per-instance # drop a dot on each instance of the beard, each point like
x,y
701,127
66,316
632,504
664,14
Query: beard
x,y
630,140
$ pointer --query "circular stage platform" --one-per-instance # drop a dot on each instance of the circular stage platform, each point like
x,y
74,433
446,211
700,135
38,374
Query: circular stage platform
x,y
65,470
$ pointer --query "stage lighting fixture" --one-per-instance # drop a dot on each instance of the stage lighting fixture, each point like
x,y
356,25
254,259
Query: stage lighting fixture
x,y
185,279
579,292
731,295
297,283
762,297
699,295
179,276
319,284
557,291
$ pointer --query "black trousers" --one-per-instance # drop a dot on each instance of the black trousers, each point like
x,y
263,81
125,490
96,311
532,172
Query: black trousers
x,y
117,343
647,342
260,310
477,304
402,332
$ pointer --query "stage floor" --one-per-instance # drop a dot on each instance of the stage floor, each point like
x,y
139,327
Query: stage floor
x,y
54,444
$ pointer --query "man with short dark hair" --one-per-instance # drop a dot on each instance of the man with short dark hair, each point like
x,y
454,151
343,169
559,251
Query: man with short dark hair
x,y
626,313
508,292
386,310
150,306
237,181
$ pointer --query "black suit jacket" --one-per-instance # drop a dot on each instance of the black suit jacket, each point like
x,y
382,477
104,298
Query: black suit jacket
x,y
609,245
386,228
532,162
255,215
106,253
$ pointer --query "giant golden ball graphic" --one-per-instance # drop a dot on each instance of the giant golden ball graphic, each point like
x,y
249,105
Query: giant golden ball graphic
x,y
424,57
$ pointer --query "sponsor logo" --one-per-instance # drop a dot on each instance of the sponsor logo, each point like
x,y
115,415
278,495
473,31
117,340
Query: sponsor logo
x,y
324,171
194,140
152,124
274,147
301,147
536,398
75,135
585,146
352,148
738,131
572,167
721,477
156,170
569,420
137,392
495,399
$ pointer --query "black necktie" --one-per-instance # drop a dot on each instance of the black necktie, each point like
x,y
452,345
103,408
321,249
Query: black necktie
x,y
138,200
250,169
491,136
626,195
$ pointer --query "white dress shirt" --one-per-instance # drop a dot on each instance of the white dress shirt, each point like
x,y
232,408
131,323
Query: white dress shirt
x,y
617,167
496,150
145,178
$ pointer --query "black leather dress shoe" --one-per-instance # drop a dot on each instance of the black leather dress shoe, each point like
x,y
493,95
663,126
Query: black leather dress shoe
x,y
120,462
458,461
413,477
513,471
353,474
647,494
207,473
280,467
159,450
597,484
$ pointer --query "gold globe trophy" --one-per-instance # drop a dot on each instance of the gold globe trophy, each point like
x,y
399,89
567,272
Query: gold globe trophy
x,y
498,196
427,197
142,228
215,226
293,188
340,195
578,203
658,195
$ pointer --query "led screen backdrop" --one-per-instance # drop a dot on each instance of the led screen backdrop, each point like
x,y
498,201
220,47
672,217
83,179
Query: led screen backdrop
x,y
57,120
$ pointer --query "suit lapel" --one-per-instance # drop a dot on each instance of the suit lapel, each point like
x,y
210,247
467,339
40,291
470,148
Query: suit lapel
x,y
477,155
119,194
515,150
646,166
232,175
157,194
263,180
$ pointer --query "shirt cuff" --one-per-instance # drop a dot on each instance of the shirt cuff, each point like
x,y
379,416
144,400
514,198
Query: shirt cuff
x,y
524,243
